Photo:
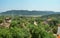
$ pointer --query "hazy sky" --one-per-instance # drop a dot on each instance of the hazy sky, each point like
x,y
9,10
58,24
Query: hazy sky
x,y
44,5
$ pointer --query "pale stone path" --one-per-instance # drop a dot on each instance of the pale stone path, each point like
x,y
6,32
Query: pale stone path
x,y
58,32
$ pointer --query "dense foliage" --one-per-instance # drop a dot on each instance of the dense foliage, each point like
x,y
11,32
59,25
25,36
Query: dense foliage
x,y
23,27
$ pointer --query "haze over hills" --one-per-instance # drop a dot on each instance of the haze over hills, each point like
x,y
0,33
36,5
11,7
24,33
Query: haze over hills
x,y
26,12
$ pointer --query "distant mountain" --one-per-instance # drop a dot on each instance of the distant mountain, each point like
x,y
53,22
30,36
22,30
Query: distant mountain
x,y
26,12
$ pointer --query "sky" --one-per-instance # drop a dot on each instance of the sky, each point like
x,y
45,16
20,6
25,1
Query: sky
x,y
41,5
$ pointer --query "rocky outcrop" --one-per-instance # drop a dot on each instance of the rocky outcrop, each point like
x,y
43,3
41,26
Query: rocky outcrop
x,y
6,22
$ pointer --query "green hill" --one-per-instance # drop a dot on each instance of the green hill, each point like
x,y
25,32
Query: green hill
x,y
26,12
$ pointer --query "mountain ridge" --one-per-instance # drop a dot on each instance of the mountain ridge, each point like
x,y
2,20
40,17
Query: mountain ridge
x,y
26,12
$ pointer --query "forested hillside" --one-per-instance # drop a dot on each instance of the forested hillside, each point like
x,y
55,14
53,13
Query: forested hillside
x,y
27,27
12,25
